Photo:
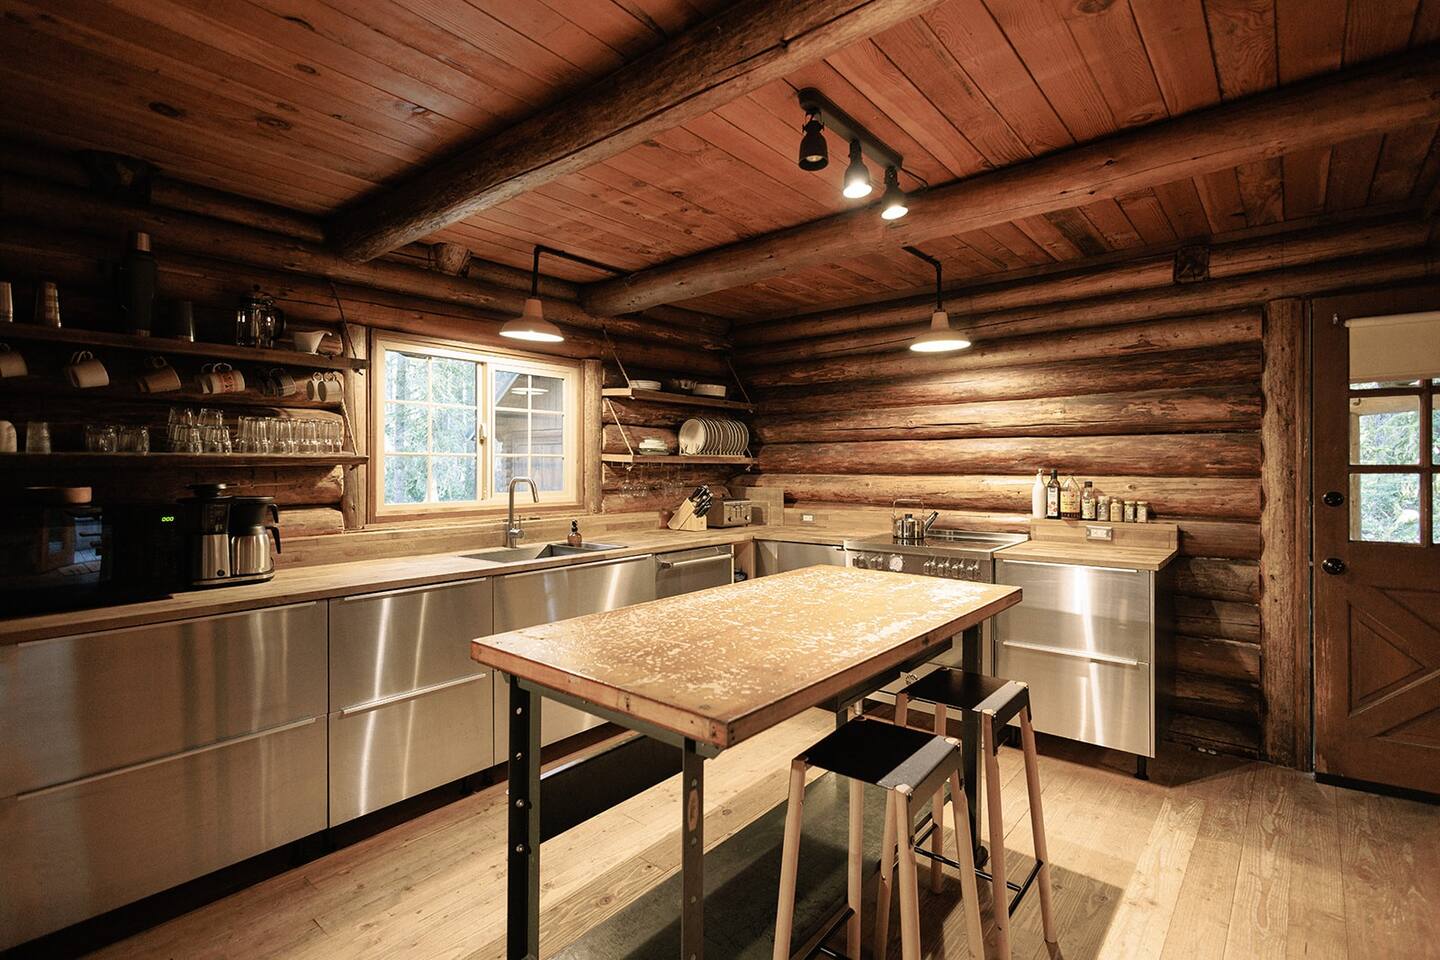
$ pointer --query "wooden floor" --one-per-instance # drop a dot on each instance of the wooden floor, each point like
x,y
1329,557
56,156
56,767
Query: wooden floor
x,y
1213,858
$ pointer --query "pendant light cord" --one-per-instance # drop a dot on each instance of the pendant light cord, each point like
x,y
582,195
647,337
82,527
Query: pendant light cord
x,y
916,251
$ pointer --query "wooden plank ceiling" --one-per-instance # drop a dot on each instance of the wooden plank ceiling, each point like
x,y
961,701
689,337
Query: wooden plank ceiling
x,y
312,104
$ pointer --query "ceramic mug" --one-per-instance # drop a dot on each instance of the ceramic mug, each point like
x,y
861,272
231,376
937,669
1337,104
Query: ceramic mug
x,y
220,378
324,386
281,384
9,439
11,363
161,378
308,341
85,371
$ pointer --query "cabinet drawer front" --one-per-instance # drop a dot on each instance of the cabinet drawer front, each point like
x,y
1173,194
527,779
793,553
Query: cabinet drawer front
x,y
1102,702
394,750
78,850
84,704
525,599
389,643
1089,609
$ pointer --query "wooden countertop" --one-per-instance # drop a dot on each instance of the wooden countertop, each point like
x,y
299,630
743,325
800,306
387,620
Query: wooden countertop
x,y
324,581
723,664
1119,556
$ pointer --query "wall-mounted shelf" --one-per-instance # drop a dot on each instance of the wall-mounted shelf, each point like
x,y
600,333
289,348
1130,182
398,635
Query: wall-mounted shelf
x,y
100,339
678,399
674,460
162,459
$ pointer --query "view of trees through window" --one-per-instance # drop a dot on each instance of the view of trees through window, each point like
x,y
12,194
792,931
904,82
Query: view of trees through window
x,y
1386,430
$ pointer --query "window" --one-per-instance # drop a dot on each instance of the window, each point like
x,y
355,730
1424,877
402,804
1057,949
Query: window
x,y
455,425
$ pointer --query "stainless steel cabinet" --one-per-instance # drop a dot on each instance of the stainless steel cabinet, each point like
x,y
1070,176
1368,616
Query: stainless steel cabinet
x,y
409,709
138,759
685,571
1084,639
545,596
778,556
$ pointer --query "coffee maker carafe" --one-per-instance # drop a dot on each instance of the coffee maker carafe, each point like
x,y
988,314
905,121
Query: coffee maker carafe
x,y
254,523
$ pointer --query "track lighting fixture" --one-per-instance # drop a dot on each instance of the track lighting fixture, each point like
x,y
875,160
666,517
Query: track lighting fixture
x,y
940,338
531,325
814,151
892,203
857,175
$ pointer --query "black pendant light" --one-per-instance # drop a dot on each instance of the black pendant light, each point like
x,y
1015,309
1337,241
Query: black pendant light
x,y
814,151
857,175
892,204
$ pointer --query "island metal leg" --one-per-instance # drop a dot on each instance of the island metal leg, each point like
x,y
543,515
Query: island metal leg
x,y
692,857
972,660
522,926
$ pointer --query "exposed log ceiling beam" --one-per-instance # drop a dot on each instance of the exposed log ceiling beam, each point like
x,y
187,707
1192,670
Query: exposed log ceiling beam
x,y
1389,94
746,46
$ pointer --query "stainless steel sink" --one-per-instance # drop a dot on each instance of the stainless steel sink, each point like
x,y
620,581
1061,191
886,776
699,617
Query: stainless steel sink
x,y
539,551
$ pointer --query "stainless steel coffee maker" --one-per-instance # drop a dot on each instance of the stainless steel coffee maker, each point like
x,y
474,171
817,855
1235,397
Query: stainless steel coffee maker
x,y
228,538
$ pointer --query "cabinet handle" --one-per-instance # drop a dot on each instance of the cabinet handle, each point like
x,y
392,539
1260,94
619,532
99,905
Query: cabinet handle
x,y
1077,566
1068,652
184,754
395,698
177,622
574,566
423,588
672,564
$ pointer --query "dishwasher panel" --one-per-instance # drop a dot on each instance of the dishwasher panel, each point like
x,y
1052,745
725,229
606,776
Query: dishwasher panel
x,y
685,571
1092,610
1106,702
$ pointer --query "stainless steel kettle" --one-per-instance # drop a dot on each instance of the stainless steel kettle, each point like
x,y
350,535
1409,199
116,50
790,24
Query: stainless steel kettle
x,y
908,528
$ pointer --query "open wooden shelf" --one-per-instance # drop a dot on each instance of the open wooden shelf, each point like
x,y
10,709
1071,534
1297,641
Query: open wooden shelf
x,y
678,399
681,459
162,459
100,339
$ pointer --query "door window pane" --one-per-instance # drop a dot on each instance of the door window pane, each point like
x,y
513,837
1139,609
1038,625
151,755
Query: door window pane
x,y
1435,430
1385,507
1385,430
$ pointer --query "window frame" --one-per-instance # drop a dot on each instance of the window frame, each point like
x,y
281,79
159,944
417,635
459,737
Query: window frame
x,y
492,501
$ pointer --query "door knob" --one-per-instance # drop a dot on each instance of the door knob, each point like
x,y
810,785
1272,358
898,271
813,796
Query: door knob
x,y
1333,565
1333,499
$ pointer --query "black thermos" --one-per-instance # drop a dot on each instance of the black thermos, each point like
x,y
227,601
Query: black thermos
x,y
138,275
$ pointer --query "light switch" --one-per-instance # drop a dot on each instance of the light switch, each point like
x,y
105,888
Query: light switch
x,y
807,518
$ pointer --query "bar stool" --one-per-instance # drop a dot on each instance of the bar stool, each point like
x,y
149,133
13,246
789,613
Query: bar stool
x,y
994,701
906,763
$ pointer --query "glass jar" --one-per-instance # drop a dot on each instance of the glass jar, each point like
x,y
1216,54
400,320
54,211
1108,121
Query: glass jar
x,y
1129,511
1142,511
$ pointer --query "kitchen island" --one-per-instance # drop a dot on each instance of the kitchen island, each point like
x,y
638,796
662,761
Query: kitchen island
x,y
697,674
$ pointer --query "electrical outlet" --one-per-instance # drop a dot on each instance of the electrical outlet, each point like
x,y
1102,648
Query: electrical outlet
x,y
1099,533
807,518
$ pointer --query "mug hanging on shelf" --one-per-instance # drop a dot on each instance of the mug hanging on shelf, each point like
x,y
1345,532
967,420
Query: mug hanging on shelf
x,y
161,378
11,363
220,378
9,439
84,371
325,386
281,384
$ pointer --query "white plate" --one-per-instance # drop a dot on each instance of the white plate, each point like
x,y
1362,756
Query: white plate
x,y
645,384
692,437
716,390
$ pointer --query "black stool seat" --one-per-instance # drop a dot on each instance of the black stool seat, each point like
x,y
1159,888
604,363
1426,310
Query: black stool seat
x,y
887,755
975,692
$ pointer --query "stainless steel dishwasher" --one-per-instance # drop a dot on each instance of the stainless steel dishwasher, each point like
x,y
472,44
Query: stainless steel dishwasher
x,y
1084,639
544,596
685,571
778,556
409,709
141,758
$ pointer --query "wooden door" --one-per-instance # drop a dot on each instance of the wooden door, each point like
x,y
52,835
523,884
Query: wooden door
x,y
1376,562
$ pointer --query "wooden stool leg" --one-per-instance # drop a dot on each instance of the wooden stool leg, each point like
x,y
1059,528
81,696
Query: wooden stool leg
x,y
937,813
883,893
965,856
790,861
1037,825
855,879
999,893
902,709
908,872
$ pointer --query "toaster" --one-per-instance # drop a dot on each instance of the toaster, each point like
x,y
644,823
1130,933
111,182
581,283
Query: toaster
x,y
729,513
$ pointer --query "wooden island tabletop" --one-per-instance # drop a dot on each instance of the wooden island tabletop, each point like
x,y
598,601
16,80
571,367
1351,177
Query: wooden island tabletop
x,y
721,665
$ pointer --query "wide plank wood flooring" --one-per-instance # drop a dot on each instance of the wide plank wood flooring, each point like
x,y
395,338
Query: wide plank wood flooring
x,y
1213,858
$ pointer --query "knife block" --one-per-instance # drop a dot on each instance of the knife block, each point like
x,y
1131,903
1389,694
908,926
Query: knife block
x,y
686,518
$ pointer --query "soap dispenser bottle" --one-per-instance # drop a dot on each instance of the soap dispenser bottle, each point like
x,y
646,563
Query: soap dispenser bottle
x,y
574,539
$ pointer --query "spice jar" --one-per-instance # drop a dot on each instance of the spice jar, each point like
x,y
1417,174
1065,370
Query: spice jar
x,y
1129,511
1117,510
1142,511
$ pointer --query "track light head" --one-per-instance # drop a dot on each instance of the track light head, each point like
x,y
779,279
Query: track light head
x,y
892,203
857,175
814,151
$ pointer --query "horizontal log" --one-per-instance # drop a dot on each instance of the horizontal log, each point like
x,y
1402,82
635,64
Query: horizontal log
x,y
1169,497
640,414
1233,407
971,301
65,208
1212,295
1159,336
1220,539
1218,736
1237,364
1399,92
1217,657
1208,454
310,521
1206,696
1218,579
1196,616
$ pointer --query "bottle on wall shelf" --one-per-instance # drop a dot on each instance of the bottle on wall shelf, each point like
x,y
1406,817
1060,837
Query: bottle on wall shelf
x,y
1117,510
1070,500
1087,501
138,279
1037,496
1052,496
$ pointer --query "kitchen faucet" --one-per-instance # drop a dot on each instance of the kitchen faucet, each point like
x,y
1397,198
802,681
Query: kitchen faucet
x,y
513,532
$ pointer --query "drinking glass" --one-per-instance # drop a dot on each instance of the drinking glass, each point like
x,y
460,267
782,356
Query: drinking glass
x,y
37,437
100,438
134,439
